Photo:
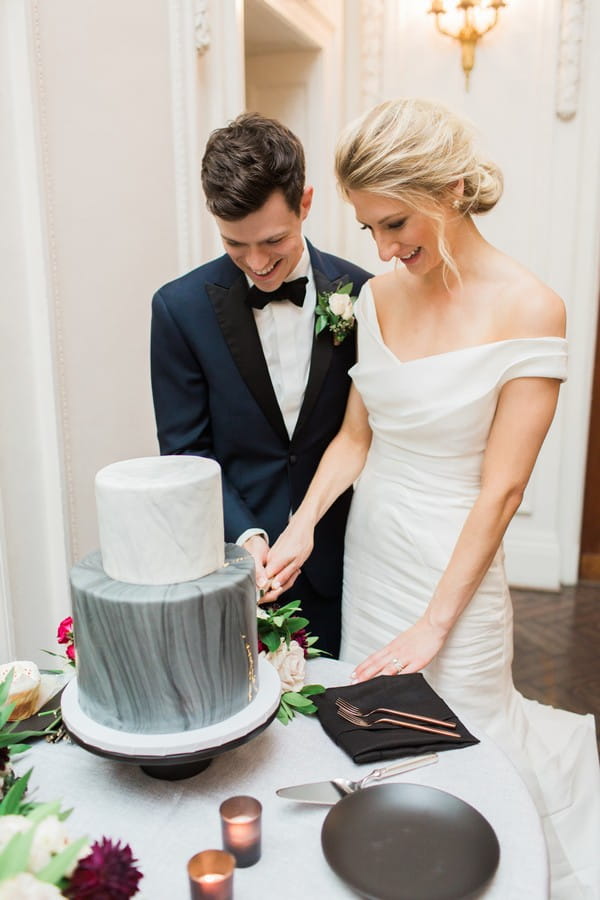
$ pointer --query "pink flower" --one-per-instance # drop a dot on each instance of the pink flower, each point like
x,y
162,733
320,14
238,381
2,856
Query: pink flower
x,y
108,871
70,651
65,631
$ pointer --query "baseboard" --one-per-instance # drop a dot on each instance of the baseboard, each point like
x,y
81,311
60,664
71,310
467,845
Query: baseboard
x,y
589,567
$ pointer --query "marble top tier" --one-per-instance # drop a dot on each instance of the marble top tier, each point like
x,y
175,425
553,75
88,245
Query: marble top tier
x,y
160,519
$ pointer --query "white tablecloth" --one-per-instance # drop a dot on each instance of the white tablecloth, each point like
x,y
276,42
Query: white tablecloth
x,y
168,822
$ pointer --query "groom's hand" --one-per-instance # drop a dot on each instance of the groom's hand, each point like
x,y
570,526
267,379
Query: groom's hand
x,y
268,588
258,548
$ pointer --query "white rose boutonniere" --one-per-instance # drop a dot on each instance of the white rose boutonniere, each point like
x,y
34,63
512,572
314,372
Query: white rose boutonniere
x,y
335,310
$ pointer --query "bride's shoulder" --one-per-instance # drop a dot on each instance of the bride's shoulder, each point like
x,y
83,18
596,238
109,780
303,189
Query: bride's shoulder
x,y
382,287
532,308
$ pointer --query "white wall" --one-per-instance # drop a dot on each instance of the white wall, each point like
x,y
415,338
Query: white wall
x,y
95,159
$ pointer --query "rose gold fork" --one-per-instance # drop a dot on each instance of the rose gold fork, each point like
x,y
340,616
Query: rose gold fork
x,y
362,723
355,711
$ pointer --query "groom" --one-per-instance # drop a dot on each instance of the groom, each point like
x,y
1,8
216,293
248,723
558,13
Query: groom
x,y
238,373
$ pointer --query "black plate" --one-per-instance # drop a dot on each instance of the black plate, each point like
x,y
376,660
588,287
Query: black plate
x,y
409,842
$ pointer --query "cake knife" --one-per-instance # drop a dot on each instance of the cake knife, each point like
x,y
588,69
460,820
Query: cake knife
x,y
329,792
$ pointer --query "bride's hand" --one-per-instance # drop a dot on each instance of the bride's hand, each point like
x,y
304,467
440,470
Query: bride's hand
x,y
410,652
291,549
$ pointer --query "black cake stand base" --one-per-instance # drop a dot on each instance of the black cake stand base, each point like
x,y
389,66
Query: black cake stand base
x,y
172,757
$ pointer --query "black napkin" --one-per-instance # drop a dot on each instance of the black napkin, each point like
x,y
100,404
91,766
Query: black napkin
x,y
409,693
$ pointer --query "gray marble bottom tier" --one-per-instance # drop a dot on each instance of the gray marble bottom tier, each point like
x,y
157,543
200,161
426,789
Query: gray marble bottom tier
x,y
157,659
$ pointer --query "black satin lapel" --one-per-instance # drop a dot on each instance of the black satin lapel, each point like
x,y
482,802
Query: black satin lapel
x,y
321,354
239,330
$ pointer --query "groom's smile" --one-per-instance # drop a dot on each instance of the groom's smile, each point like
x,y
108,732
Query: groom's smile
x,y
267,244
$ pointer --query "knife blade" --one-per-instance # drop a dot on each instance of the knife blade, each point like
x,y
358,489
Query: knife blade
x,y
327,793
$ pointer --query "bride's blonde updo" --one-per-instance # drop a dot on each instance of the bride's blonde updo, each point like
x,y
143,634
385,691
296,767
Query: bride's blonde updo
x,y
416,151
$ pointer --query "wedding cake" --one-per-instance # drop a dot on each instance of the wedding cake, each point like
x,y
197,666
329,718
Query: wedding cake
x,y
165,613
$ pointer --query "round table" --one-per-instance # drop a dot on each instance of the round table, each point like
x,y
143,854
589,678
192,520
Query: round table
x,y
167,822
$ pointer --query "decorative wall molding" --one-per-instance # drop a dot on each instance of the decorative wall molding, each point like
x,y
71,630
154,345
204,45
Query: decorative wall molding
x,y
572,19
54,283
201,26
182,66
372,18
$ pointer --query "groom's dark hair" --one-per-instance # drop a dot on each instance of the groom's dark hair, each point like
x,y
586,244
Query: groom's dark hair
x,y
246,161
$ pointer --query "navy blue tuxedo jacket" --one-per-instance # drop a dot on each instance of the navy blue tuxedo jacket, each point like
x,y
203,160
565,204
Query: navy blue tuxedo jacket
x,y
213,397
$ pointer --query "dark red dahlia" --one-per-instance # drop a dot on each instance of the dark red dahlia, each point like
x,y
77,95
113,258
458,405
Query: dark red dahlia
x,y
108,873
301,638
262,647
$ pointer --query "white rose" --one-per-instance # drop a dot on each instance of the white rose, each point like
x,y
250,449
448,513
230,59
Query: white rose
x,y
348,310
11,825
290,664
26,887
338,303
50,837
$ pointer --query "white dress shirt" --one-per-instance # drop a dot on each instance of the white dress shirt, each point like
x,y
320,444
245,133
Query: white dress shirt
x,y
286,336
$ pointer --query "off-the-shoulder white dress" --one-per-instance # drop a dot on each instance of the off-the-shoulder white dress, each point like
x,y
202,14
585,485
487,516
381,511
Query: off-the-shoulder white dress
x,y
430,419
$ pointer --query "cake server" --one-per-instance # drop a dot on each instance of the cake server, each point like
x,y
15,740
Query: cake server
x,y
329,792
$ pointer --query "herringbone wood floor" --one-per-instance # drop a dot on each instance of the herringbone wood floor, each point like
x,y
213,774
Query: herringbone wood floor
x,y
557,647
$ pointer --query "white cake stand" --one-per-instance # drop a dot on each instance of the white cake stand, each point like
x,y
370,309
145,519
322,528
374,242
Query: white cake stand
x,y
177,755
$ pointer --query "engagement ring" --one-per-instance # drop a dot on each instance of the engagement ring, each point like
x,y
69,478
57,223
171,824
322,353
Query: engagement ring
x,y
399,665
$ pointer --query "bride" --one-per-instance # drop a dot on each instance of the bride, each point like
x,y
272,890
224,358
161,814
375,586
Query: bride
x,y
461,352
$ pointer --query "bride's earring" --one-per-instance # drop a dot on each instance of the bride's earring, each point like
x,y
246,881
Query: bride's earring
x,y
456,204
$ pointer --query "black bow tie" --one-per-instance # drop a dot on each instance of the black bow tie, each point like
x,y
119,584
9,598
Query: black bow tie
x,y
289,290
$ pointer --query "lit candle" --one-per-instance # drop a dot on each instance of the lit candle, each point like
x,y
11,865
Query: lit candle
x,y
240,824
211,875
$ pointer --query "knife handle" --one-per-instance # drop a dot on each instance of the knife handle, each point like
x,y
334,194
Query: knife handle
x,y
404,766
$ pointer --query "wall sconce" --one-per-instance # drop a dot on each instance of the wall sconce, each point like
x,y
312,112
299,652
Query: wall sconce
x,y
478,17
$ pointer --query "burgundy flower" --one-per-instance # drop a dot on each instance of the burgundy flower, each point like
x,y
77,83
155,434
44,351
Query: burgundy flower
x,y
108,873
65,631
301,637
262,647
70,651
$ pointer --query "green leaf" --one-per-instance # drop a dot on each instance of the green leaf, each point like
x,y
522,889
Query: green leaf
x,y
18,748
15,855
272,641
283,716
5,687
12,801
308,710
310,689
345,288
60,864
5,712
289,608
293,698
321,324
296,624
43,810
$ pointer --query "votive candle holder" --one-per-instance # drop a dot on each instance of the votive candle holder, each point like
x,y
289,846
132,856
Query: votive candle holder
x,y
241,829
210,875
